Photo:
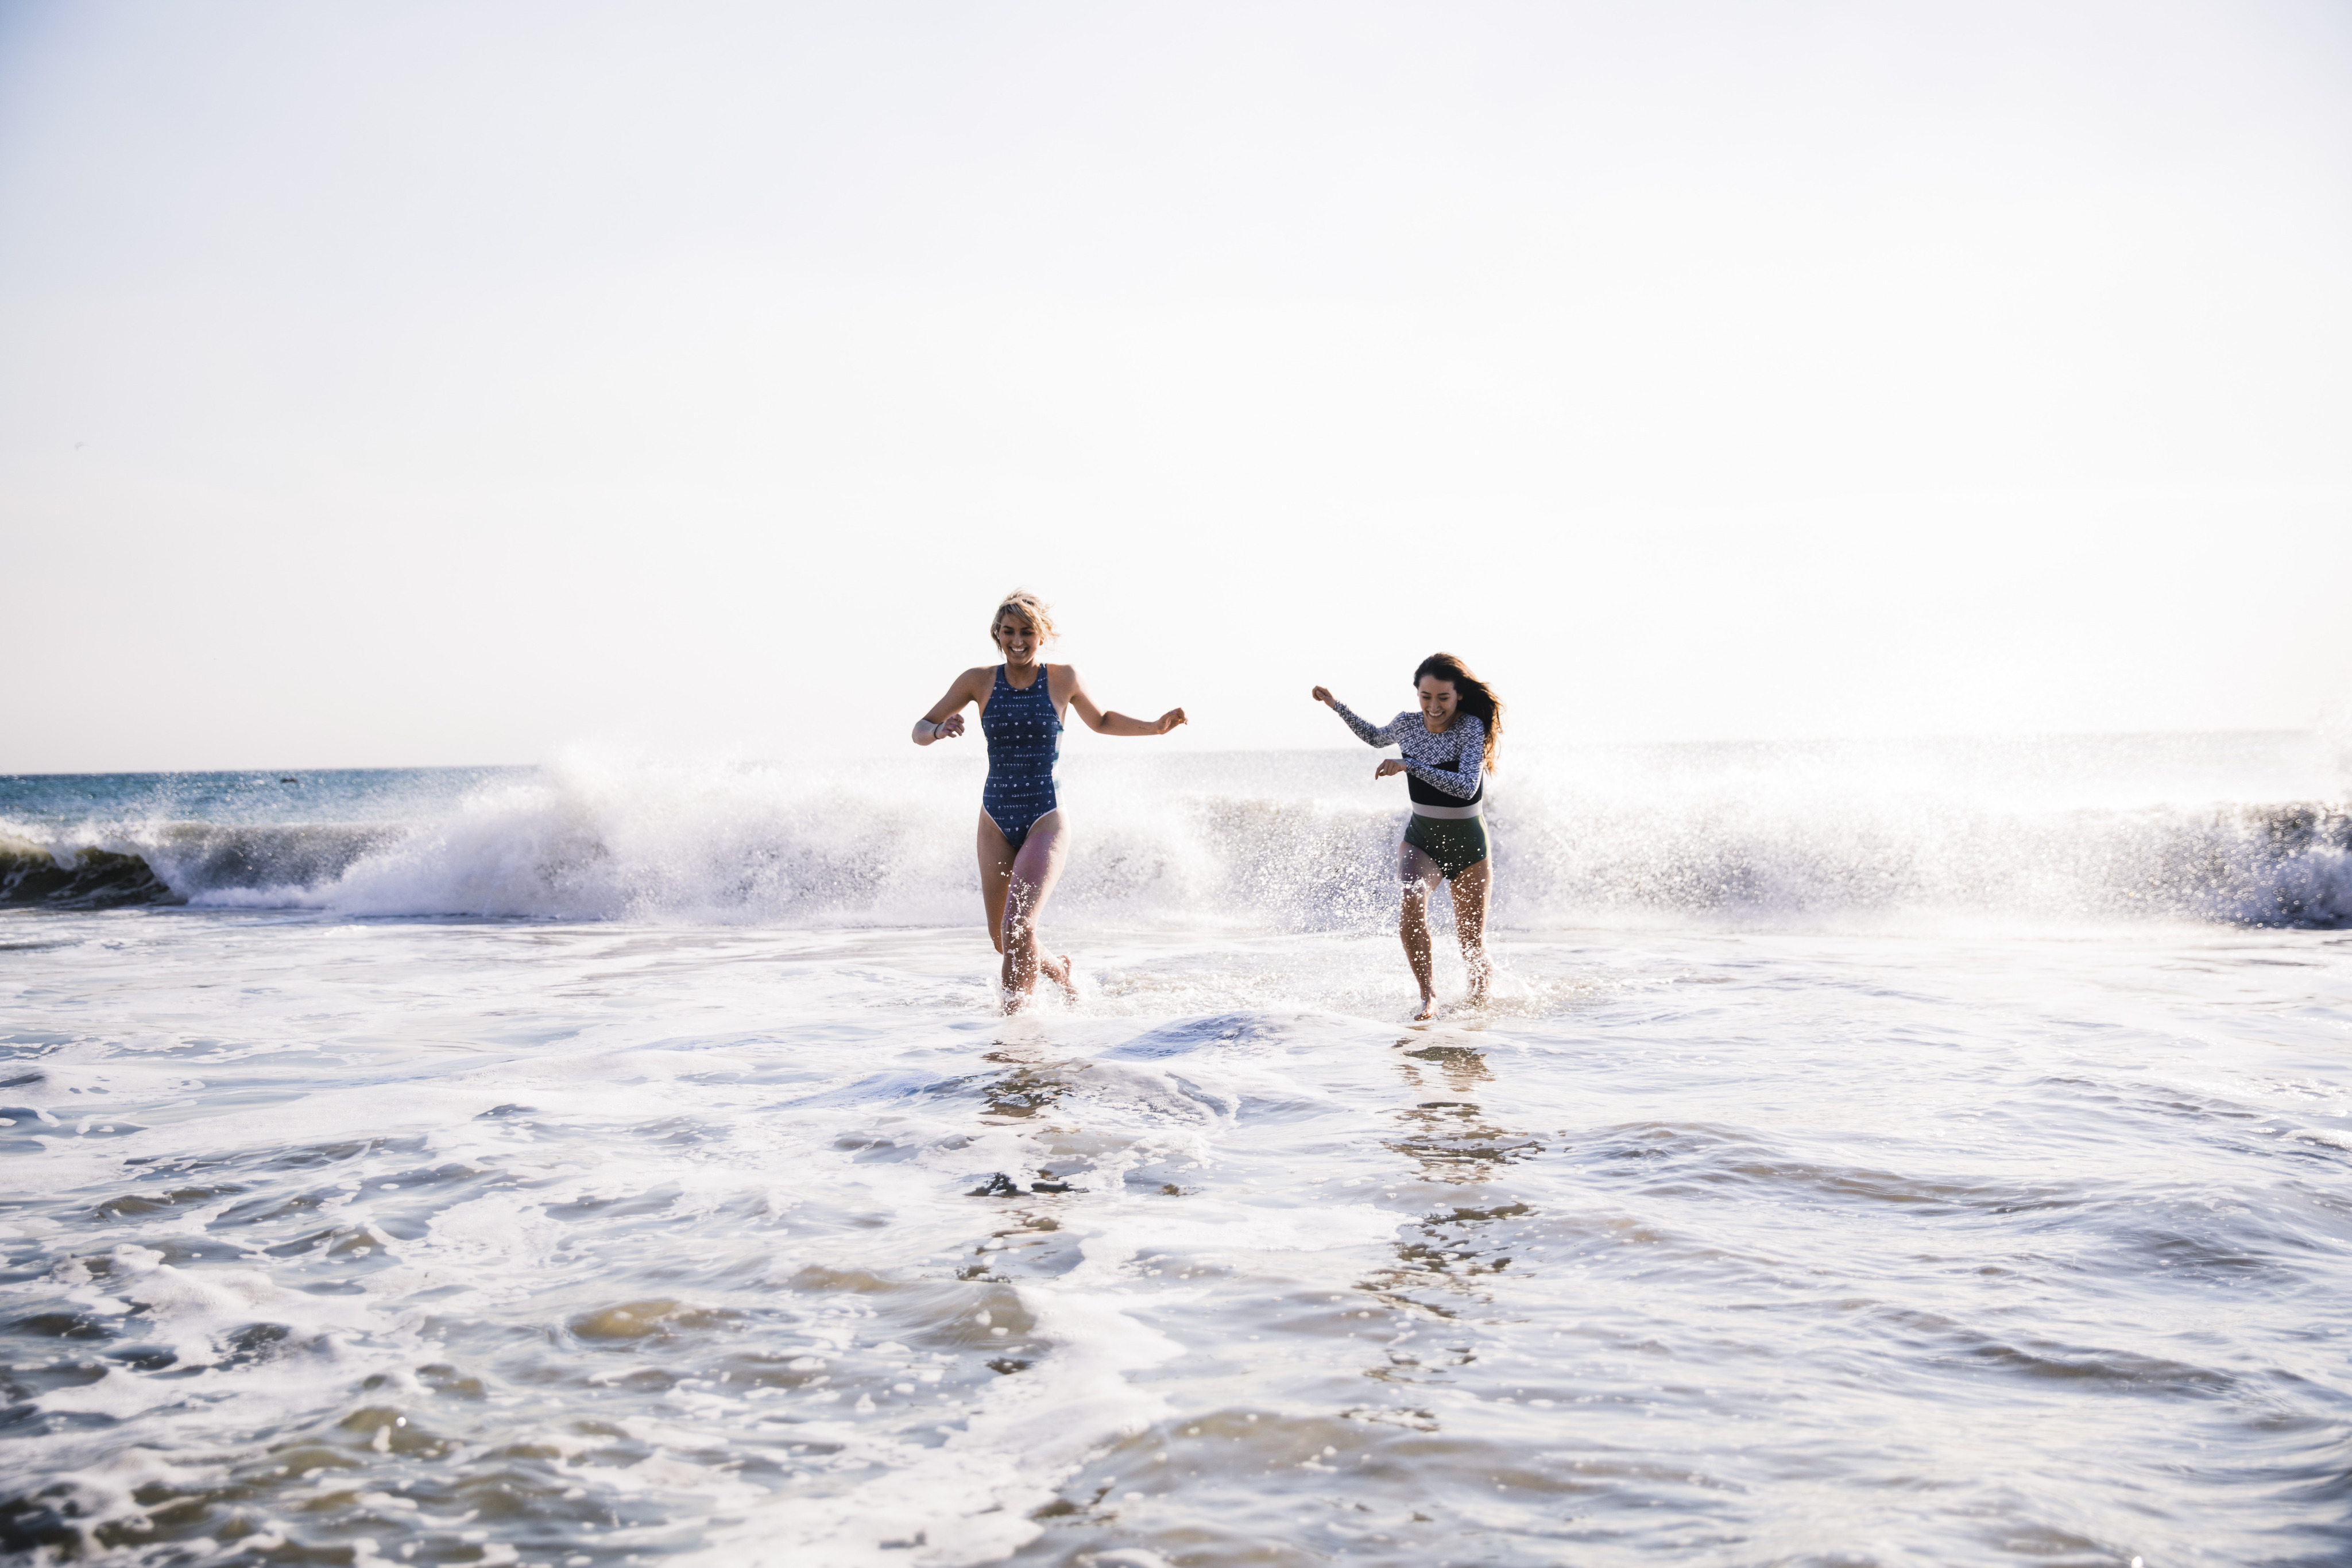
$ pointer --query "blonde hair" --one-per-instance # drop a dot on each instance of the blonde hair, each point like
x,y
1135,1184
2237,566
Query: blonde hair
x,y
1029,609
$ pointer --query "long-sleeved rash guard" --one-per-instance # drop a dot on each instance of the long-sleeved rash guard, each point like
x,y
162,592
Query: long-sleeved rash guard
x,y
1441,771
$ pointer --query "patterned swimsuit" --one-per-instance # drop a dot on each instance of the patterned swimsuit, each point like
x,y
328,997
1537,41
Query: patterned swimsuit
x,y
1443,772
1025,741
1445,777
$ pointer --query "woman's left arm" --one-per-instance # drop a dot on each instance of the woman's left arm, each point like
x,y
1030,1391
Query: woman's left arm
x,y
1469,762
1104,722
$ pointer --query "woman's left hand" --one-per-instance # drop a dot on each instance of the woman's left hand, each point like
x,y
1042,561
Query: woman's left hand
x,y
1168,720
1387,766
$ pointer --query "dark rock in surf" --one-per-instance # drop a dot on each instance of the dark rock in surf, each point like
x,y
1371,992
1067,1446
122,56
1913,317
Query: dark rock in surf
x,y
997,1185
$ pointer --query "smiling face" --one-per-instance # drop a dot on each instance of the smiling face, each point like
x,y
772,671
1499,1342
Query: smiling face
x,y
1438,702
1016,640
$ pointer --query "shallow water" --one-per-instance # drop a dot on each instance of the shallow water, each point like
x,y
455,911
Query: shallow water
x,y
337,1239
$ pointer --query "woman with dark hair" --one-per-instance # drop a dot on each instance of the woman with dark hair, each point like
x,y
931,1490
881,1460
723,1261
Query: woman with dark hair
x,y
1448,746
1022,843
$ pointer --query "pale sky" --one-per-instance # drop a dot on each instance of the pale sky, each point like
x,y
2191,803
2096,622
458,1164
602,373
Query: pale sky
x,y
443,383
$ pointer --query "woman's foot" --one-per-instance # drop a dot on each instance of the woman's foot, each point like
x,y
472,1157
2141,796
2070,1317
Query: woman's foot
x,y
1428,1010
1012,996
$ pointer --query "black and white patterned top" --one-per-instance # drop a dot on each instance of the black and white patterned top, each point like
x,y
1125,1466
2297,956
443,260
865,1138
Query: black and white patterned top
x,y
1441,771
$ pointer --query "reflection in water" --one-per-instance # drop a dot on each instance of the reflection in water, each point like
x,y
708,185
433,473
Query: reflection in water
x,y
1022,1243
1449,1138
1452,1142
1023,1091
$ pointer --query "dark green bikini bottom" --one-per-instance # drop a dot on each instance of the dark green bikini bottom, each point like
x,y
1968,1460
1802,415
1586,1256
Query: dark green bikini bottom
x,y
1455,843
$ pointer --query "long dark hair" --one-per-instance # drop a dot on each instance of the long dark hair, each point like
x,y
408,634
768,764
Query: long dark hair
x,y
1474,694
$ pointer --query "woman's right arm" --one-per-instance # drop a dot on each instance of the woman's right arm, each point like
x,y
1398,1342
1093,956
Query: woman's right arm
x,y
945,721
1364,732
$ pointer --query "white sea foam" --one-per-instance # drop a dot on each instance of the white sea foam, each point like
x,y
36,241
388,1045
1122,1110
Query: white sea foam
x,y
2199,828
696,1204
525,1241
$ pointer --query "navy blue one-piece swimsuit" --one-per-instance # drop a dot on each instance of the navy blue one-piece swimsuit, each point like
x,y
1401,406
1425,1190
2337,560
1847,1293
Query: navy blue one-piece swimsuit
x,y
1025,741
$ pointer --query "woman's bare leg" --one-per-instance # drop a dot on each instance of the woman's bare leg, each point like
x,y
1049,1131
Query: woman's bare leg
x,y
995,876
1470,925
1420,873
1035,871
996,858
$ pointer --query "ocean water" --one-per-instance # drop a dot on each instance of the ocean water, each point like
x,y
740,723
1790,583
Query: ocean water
x,y
1904,1154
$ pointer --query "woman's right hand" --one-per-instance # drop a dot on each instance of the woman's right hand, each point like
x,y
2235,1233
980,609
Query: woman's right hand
x,y
949,727
1323,694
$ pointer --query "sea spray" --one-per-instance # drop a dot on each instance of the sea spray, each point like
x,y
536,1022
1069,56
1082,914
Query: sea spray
x,y
2237,830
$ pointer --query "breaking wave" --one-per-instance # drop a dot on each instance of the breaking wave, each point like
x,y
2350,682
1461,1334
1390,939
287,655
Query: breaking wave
x,y
1286,841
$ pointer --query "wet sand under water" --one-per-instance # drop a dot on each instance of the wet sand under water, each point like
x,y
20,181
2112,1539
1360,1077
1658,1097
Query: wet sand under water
x,y
339,1240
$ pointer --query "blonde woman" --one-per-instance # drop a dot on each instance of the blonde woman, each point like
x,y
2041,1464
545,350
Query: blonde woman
x,y
1448,746
1022,839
